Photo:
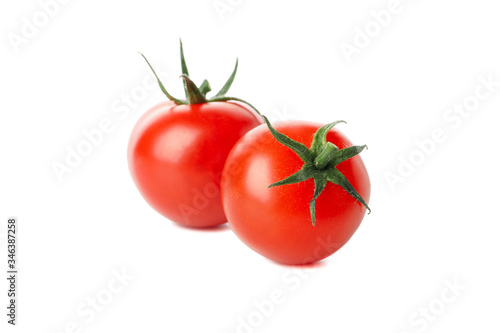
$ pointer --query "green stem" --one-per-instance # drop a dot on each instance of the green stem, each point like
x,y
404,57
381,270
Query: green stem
x,y
194,96
325,156
227,99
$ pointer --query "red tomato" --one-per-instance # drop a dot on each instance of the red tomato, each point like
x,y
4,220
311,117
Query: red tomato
x,y
176,154
178,148
276,221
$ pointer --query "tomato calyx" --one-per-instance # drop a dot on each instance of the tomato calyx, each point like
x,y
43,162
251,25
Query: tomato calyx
x,y
198,94
320,164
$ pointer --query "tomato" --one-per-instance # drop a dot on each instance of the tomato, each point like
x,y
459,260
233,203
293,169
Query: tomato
x,y
276,221
177,151
176,156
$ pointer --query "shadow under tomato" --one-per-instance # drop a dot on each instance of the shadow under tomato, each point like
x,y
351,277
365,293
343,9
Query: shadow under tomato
x,y
217,228
312,265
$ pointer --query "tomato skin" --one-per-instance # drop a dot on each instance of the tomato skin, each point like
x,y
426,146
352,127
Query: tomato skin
x,y
276,222
176,154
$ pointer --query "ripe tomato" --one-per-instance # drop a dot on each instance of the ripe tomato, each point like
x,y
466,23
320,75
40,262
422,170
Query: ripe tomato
x,y
177,151
176,155
276,221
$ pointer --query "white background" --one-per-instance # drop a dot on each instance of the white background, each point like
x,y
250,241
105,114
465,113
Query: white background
x,y
437,227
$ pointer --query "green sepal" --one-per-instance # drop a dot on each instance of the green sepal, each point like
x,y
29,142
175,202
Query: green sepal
x,y
197,95
336,177
170,97
205,88
319,185
344,154
184,68
300,149
228,83
298,177
320,163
